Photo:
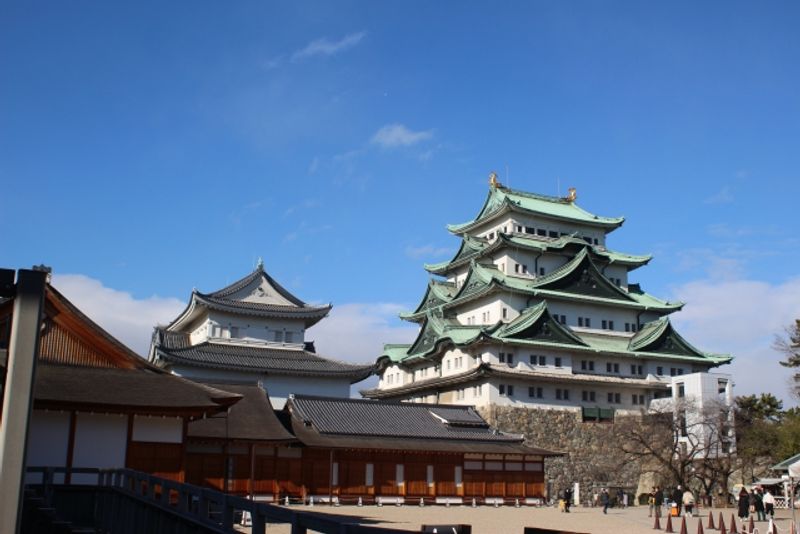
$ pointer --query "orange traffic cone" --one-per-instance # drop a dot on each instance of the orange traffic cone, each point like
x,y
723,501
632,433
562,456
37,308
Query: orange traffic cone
x,y
668,528
722,529
751,527
700,527
733,525
657,524
683,526
711,524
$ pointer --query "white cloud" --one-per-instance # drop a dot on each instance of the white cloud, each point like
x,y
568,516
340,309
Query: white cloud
x,y
396,135
723,196
125,317
742,317
427,251
324,47
356,332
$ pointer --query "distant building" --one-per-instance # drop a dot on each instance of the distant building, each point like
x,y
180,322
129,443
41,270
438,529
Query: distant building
x,y
702,405
536,311
252,332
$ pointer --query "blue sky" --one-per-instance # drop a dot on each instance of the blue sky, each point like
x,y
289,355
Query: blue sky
x,y
150,148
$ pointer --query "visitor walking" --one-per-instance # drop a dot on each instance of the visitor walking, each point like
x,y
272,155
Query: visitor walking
x,y
567,499
769,504
651,502
605,500
688,502
744,504
658,501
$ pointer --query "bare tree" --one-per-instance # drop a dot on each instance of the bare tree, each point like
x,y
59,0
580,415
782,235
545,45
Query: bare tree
x,y
681,442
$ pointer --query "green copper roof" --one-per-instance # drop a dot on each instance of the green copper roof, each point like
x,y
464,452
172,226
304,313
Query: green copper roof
x,y
472,248
502,200
395,352
535,327
439,292
536,323
578,280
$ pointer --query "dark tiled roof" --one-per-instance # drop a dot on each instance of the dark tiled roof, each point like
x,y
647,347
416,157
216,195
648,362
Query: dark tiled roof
x,y
126,390
251,419
359,417
257,307
365,424
225,299
264,359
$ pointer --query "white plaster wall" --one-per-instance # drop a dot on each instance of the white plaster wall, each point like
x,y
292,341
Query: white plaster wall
x,y
157,429
280,387
595,313
617,271
100,441
256,329
394,376
48,439
477,308
450,361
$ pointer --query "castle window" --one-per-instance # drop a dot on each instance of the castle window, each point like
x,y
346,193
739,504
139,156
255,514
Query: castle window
x,y
542,360
588,396
659,371
681,390
627,327
289,336
234,331
604,324
519,228
501,389
530,230
541,271
535,392
541,231
278,336
562,394
558,361
490,236
505,313
611,325
552,233
580,321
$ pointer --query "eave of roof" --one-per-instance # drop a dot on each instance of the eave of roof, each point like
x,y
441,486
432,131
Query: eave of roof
x,y
271,361
143,391
251,419
501,200
485,370
539,244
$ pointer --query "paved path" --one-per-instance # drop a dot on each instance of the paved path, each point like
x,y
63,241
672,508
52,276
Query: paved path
x,y
510,520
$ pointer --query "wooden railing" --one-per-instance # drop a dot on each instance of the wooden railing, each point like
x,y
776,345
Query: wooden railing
x,y
126,500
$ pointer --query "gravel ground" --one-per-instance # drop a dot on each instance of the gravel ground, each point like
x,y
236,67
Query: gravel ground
x,y
510,520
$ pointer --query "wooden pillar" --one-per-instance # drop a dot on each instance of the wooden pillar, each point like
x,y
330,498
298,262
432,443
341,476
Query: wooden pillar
x,y
251,483
73,419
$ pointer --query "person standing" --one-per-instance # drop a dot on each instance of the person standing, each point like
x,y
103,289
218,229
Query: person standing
x,y
658,501
676,497
688,502
759,504
744,504
567,499
769,505
651,502
605,500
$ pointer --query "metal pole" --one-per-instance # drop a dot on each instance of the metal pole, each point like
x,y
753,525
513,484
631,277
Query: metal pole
x,y
18,394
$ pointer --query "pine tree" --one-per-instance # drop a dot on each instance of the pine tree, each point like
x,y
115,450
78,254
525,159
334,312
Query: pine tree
x,y
790,346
